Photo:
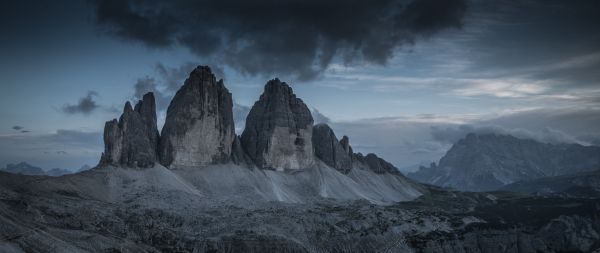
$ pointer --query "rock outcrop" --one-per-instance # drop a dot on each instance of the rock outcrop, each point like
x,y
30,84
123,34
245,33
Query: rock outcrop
x,y
375,163
345,142
238,155
132,140
332,152
199,128
339,154
378,165
278,133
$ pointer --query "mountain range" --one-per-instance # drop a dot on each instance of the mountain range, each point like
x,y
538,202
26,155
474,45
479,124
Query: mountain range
x,y
279,135
28,169
484,162
284,185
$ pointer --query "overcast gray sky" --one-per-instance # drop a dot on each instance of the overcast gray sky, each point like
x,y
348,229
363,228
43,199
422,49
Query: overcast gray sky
x,y
403,79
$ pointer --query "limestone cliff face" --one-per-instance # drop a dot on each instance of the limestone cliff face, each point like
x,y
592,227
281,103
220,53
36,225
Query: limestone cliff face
x,y
332,152
132,140
278,133
199,128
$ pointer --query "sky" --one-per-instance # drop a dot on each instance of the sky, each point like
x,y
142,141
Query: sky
x,y
402,78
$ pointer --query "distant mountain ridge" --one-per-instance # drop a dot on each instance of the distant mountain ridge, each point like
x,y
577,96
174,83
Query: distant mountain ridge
x,y
490,161
24,168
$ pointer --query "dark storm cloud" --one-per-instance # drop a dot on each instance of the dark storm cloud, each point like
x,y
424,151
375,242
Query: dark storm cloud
x,y
86,105
297,38
20,129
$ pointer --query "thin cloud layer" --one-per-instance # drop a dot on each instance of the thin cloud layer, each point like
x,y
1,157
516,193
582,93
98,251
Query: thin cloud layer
x,y
63,148
298,39
318,117
452,134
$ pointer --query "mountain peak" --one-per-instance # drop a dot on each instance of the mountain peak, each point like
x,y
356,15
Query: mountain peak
x,y
202,71
133,140
127,108
199,131
481,162
199,128
275,86
278,131
203,76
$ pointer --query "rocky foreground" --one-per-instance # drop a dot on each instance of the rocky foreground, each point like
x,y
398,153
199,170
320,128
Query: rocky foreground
x,y
162,210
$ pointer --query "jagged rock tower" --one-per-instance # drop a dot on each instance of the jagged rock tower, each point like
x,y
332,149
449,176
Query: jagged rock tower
x,y
278,133
133,140
336,154
199,128
199,131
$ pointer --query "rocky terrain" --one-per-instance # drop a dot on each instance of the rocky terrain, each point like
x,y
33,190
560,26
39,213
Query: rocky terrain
x,y
285,185
490,161
585,184
161,210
